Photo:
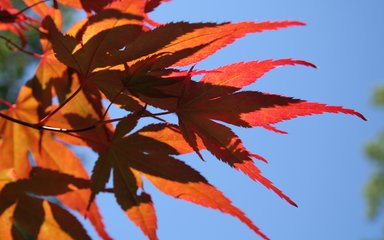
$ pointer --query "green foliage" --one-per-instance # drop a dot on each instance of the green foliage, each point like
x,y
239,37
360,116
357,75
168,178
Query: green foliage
x,y
10,72
378,97
375,150
14,65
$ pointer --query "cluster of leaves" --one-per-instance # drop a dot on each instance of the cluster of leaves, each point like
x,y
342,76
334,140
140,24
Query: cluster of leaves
x,y
117,53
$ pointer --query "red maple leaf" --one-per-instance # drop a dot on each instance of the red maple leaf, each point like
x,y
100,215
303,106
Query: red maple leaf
x,y
118,57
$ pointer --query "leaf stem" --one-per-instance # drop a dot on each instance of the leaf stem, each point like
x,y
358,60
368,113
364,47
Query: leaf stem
x,y
108,190
159,114
39,125
6,103
112,101
49,115
155,115
14,45
28,7
31,125
49,128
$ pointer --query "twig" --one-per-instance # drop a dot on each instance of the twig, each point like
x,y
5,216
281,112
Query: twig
x,y
10,42
49,115
6,103
38,126
28,7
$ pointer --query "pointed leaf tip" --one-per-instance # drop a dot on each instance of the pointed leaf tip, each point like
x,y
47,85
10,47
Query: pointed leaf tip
x,y
261,158
304,63
241,74
298,23
360,115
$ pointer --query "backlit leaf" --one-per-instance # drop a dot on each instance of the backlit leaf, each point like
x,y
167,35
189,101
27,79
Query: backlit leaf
x,y
46,151
118,57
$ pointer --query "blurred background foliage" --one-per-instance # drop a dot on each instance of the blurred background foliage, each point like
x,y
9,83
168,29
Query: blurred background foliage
x,y
375,150
15,65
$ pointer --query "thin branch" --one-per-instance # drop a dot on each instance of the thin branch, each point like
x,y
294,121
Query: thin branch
x,y
173,128
31,125
28,7
155,115
114,120
6,103
112,101
158,114
65,130
33,25
15,46
46,118
40,127
157,118
108,190
49,128
146,114
106,110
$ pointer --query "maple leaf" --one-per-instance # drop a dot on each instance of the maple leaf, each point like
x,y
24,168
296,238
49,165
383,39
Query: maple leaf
x,y
86,107
42,182
101,37
174,44
117,52
138,155
268,108
46,152
216,97
182,36
35,217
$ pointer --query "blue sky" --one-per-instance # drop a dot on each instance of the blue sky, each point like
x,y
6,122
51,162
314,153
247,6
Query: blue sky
x,y
321,162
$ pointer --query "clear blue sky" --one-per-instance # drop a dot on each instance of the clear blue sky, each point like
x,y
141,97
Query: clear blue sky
x,y
321,162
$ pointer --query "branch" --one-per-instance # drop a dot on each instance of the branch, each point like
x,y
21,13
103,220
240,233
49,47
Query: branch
x,y
15,46
108,190
155,115
28,7
31,125
112,101
49,115
38,126
6,103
